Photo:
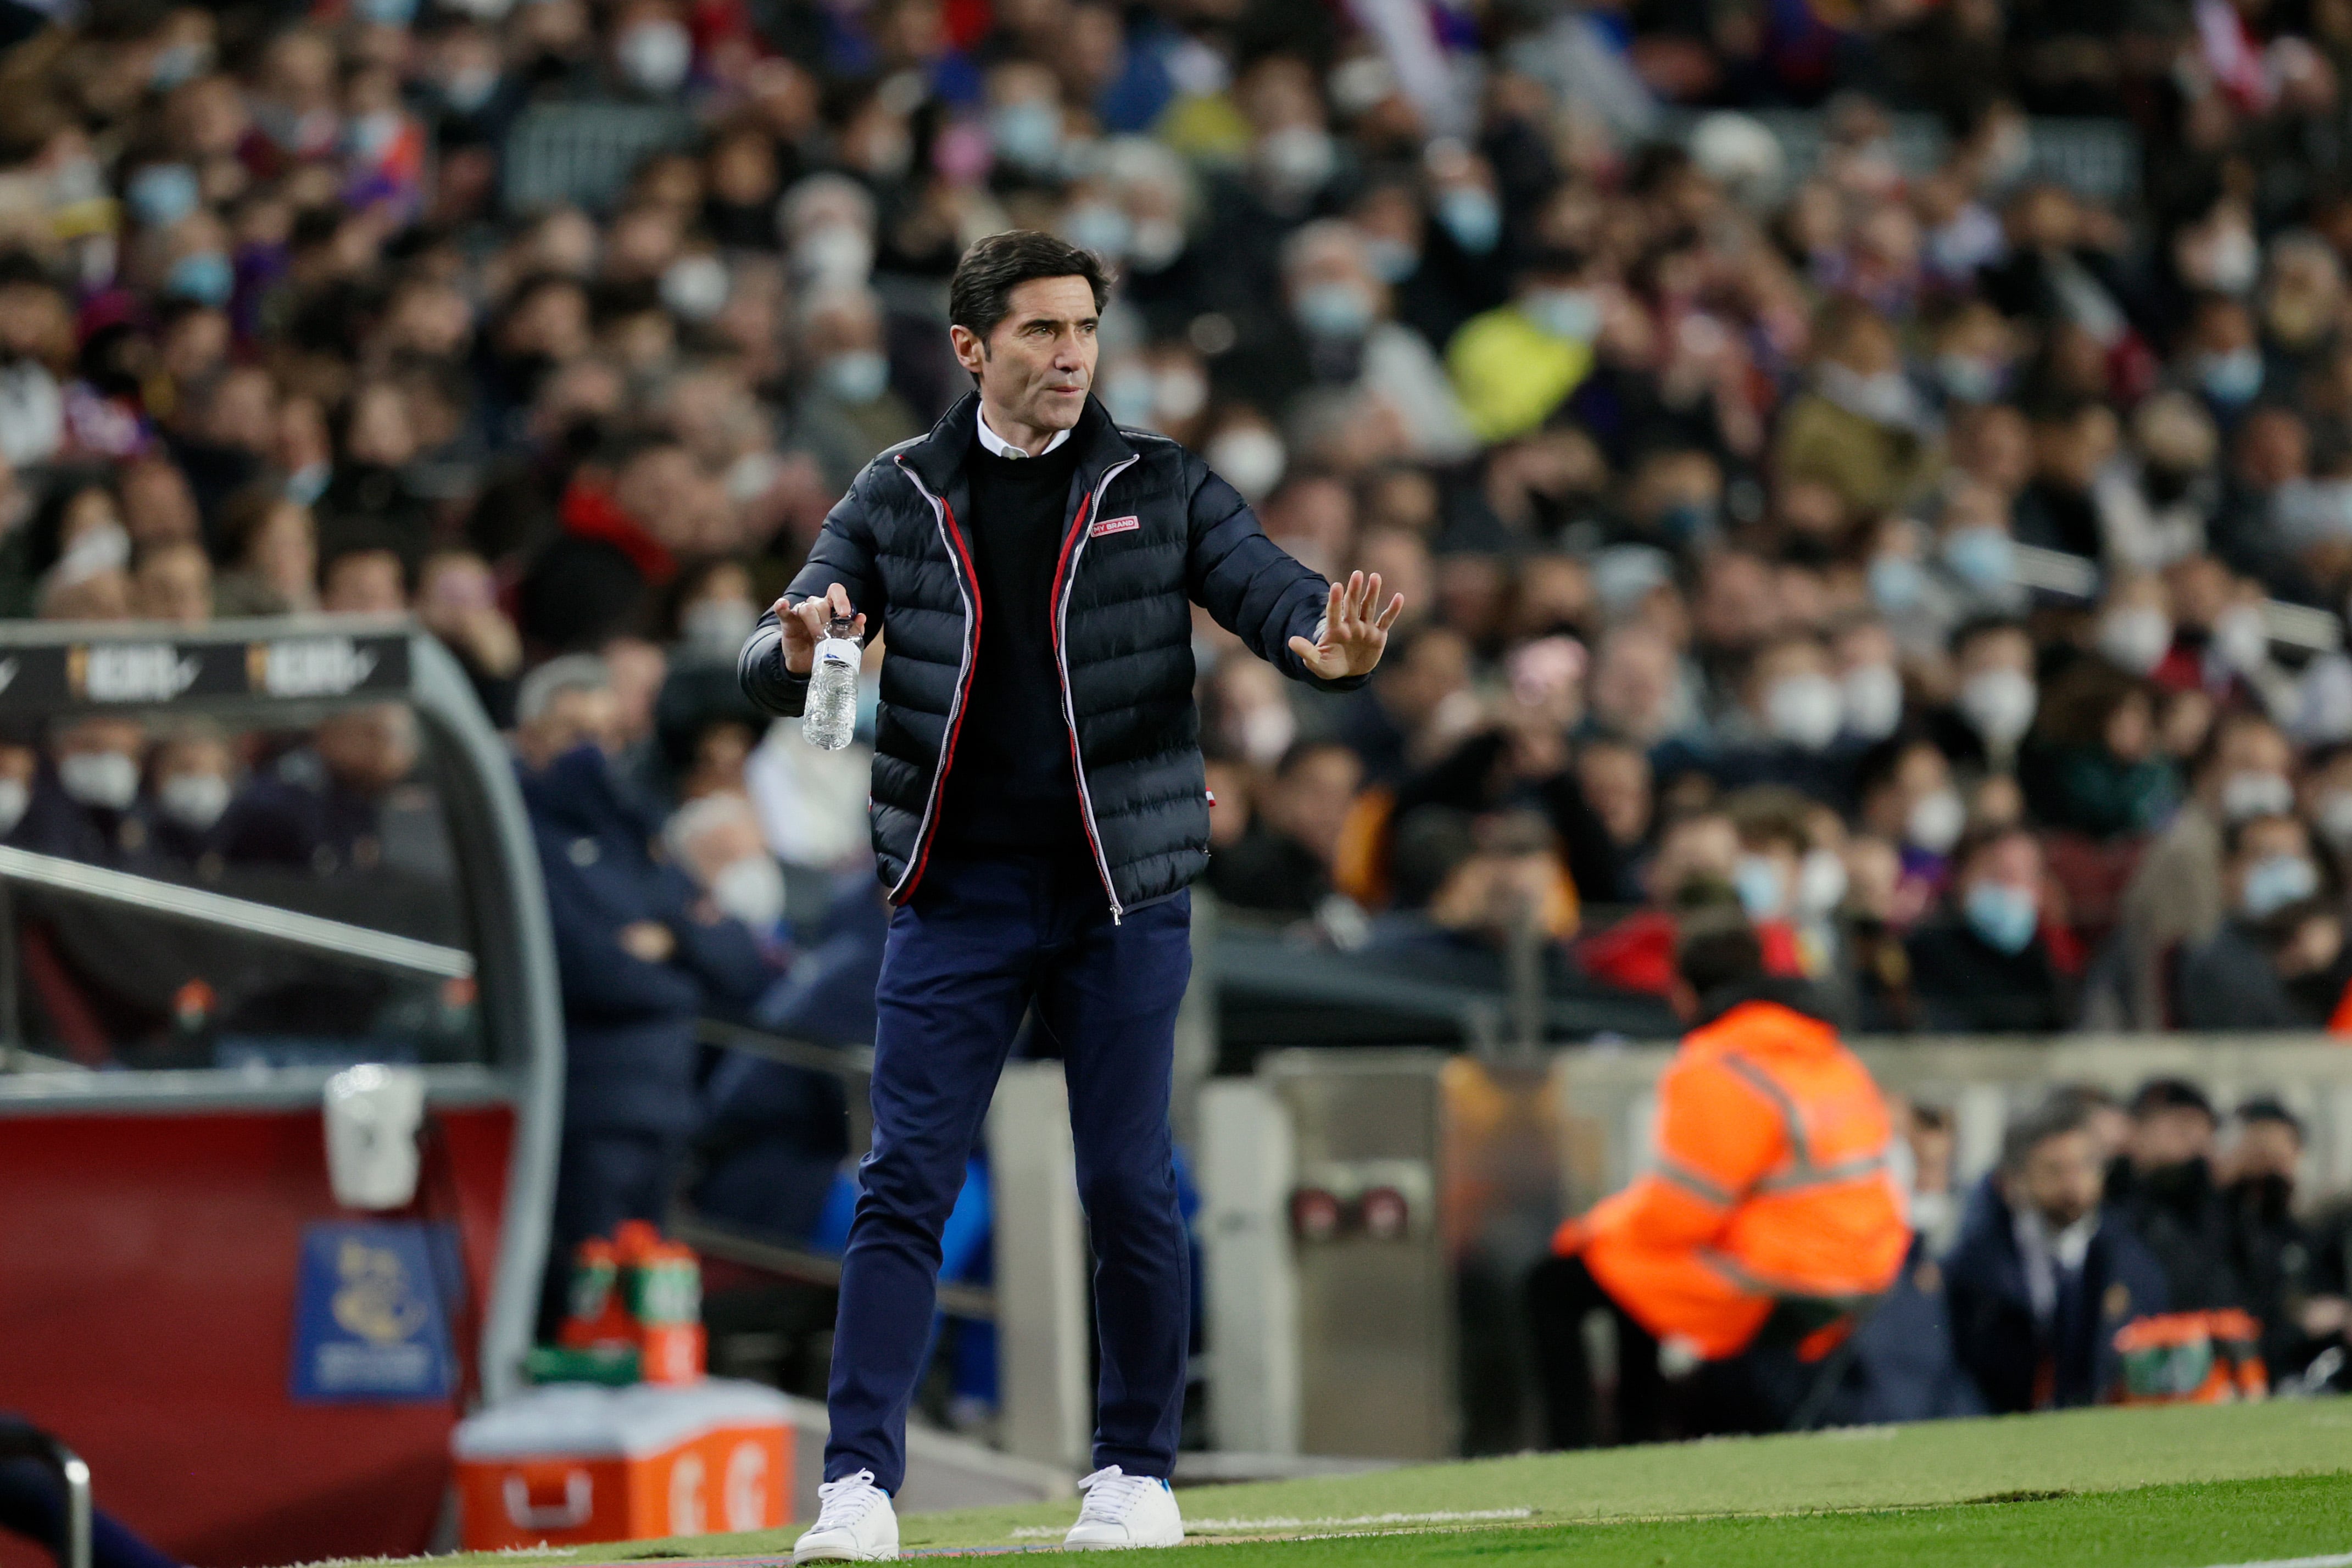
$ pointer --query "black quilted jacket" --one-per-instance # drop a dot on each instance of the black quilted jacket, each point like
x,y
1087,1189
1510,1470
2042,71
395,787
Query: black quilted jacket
x,y
1148,531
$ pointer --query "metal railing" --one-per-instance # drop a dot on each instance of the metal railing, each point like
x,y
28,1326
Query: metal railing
x,y
19,1441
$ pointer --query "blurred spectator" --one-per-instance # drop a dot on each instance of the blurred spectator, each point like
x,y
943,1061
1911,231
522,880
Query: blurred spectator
x,y
2277,960
2165,1191
323,805
642,952
2043,1274
2273,1250
1988,965
1283,864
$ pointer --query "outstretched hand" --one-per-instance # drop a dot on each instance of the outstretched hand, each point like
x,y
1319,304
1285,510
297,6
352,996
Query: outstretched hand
x,y
1351,639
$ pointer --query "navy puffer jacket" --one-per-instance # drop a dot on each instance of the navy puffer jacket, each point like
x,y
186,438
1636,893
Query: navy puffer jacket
x,y
1148,531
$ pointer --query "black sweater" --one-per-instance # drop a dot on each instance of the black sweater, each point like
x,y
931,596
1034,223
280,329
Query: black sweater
x,y
1012,787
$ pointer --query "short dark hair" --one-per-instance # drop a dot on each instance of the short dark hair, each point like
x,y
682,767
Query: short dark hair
x,y
2269,1108
979,295
1717,948
2158,1095
2060,1113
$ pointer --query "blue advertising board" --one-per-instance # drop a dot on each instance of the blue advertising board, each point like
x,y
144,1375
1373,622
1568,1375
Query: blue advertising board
x,y
373,1312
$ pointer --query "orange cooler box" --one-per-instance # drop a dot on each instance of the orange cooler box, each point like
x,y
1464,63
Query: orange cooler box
x,y
570,1464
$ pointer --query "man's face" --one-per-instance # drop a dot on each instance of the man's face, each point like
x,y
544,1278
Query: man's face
x,y
577,716
2060,1180
2172,1137
2266,1148
1036,366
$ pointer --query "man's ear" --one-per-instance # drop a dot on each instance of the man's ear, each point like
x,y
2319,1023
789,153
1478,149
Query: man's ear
x,y
970,348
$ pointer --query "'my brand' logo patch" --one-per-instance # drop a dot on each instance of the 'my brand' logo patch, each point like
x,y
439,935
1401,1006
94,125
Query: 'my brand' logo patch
x,y
1114,526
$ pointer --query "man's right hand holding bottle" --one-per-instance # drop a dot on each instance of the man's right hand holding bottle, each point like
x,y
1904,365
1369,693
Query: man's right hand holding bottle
x,y
804,625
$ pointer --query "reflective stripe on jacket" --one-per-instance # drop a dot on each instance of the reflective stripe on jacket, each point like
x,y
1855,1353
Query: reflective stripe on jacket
x,y
1771,1184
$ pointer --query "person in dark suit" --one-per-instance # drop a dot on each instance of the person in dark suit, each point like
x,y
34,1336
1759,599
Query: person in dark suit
x,y
2043,1274
1988,967
641,953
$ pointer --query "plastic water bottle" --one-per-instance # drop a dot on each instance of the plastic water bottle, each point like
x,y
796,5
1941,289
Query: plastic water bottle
x,y
829,717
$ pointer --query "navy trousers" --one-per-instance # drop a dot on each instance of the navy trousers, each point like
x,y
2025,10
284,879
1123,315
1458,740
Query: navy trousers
x,y
981,943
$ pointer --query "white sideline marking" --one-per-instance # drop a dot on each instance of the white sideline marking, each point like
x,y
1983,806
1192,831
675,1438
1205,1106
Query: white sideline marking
x,y
1247,1526
2339,1559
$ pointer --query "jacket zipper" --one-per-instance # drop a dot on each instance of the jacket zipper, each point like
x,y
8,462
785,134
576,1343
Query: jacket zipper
x,y
968,586
1066,578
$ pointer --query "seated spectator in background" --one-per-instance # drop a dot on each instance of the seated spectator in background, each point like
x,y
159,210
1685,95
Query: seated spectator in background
x,y
458,602
641,952
323,805
2271,1248
1283,864
2093,765
1614,779
1905,1366
271,546
1861,429
715,838
2277,960
2176,896
1909,802
193,775
2042,1275
1986,966
369,580
1496,879
1390,723
1785,730
1994,700
82,810
1697,859
174,583
2164,1189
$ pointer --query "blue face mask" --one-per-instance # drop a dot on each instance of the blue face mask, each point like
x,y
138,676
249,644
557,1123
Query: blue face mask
x,y
389,13
1896,583
1334,310
1967,378
1129,399
1686,522
1473,217
163,193
1391,260
858,376
2233,377
204,275
1758,883
2275,881
1984,557
1100,227
2004,916
1570,313
1028,132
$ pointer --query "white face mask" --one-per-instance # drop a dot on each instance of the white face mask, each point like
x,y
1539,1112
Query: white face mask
x,y
1874,701
1267,732
2136,637
1936,820
1155,242
1820,882
717,627
695,286
193,800
104,778
2245,795
751,890
656,56
1250,458
1804,710
16,796
2240,639
1999,705
1298,158
836,253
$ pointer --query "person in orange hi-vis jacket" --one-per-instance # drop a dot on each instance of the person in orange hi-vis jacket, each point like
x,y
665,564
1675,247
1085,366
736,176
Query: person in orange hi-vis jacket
x,y
1769,1219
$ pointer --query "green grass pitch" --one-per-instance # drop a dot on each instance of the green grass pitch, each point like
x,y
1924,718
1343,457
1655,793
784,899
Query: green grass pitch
x,y
2169,1488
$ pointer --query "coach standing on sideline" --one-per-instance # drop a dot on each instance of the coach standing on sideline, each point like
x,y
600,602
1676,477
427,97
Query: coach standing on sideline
x,y
1038,810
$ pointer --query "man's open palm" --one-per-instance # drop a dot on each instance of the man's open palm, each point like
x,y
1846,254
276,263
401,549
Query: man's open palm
x,y
1352,638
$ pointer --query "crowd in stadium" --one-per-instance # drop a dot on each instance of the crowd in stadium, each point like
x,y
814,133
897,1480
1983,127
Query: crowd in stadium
x,y
1907,549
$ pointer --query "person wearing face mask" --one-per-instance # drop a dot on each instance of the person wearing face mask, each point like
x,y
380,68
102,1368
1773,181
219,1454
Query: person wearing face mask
x,y
2273,1250
83,811
1513,365
716,612
2163,1187
1986,968
1787,729
642,952
1996,701
2176,898
2044,1273
847,411
1861,429
2278,959
193,778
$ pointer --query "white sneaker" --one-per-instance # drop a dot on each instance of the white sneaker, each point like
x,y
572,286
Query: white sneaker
x,y
855,1525
1122,1509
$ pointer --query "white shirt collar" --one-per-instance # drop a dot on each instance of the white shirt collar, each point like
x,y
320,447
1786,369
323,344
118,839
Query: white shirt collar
x,y
1003,448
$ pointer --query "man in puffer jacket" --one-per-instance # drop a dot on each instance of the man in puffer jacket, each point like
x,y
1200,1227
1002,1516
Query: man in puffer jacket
x,y
1038,811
